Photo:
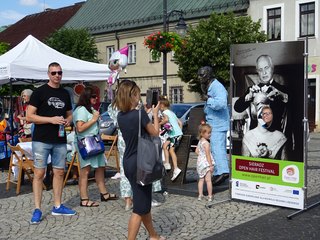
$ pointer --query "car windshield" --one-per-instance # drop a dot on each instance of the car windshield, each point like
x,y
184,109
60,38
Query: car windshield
x,y
179,110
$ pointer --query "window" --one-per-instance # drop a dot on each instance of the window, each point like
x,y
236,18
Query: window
x,y
172,56
132,53
110,50
153,59
274,24
273,21
176,94
307,19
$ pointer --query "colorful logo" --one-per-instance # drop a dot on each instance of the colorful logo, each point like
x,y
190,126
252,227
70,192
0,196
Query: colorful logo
x,y
290,171
290,174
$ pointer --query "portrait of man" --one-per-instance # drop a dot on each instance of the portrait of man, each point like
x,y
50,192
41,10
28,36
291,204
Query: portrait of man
x,y
268,74
266,91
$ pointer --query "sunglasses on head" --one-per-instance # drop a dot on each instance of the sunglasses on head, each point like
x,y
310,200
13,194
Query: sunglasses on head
x,y
53,73
93,96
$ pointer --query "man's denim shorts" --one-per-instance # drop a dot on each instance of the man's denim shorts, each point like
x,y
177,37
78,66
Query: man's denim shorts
x,y
41,152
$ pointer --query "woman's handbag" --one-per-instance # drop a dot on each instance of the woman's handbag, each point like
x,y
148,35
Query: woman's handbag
x,y
149,158
90,146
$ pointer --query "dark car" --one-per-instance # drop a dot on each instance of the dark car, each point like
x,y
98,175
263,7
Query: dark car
x,y
182,110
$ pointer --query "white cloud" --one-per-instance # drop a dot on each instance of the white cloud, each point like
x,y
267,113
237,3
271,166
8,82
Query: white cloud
x,y
29,2
11,15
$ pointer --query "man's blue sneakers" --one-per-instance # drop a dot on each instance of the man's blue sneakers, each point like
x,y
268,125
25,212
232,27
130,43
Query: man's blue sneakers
x,y
63,210
36,216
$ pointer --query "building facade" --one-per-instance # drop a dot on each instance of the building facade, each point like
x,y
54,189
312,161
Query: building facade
x,y
115,24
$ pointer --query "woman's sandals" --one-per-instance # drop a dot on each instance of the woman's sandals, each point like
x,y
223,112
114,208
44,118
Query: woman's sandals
x,y
108,196
88,203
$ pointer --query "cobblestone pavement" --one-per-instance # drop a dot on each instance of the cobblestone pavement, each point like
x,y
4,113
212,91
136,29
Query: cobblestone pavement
x,y
179,217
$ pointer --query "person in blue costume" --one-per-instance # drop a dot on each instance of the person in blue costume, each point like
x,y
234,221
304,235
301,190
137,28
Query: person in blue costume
x,y
217,116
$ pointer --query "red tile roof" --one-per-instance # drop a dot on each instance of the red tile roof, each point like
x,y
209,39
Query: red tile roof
x,y
40,25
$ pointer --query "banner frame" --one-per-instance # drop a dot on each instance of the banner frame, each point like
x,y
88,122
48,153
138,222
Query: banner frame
x,y
304,122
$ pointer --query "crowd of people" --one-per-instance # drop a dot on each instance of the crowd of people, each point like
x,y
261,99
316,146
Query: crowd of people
x,y
49,108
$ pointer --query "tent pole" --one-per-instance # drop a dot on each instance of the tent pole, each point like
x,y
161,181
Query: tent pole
x,y
11,112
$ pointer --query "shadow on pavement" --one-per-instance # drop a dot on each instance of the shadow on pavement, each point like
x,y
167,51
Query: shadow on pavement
x,y
275,225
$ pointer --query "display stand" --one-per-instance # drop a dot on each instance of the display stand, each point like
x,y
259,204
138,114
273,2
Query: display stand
x,y
305,136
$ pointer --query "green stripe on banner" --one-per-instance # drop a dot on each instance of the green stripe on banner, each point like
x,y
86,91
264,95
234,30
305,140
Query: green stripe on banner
x,y
280,172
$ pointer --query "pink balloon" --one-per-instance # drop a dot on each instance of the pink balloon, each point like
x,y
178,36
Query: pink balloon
x,y
118,61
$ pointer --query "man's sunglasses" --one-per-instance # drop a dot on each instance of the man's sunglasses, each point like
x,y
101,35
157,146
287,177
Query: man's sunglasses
x,y
93,96
55,73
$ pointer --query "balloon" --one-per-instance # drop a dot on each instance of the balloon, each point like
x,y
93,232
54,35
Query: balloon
x,y
118,61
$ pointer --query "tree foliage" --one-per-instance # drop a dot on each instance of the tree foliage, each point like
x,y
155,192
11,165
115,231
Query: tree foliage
x,y
77,43
208,44
4,47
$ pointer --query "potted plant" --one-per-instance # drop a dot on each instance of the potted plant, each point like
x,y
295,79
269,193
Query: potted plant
x,y
162,42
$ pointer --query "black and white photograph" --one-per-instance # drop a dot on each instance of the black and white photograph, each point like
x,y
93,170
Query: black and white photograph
x,y
268,100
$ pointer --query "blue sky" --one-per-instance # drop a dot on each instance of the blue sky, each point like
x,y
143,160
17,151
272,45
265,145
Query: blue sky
x,y
12,11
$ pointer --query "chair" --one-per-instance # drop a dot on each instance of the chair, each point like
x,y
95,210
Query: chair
x,y
113,150
25,139
74,162
23,163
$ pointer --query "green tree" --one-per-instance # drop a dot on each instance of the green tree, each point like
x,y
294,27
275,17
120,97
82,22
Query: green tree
x,y
5,88
208,44
4,47
76,43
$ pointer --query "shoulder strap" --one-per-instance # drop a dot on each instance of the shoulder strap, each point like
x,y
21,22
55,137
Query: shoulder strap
x,y
139,133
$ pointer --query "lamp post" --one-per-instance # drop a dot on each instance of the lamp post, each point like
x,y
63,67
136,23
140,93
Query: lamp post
x,y
181,29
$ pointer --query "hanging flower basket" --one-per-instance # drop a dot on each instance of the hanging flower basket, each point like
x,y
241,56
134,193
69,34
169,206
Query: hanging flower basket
x,y
162,42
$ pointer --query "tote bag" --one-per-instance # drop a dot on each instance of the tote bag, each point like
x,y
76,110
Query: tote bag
x,y
90,146
149,158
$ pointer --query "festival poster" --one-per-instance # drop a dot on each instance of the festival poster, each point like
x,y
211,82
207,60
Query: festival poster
x,y
267,131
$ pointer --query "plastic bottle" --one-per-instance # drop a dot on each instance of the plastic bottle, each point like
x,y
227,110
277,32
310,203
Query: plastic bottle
x,y
61,130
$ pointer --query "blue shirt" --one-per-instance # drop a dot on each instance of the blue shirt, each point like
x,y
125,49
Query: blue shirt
x,y
216,108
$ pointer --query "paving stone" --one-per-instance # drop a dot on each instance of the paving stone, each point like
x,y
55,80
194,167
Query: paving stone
x,y
179,217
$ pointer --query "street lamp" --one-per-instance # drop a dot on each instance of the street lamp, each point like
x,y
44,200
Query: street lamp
x,y
181,29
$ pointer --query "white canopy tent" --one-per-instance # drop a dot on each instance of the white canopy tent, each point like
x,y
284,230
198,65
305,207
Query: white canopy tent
x,y
29,61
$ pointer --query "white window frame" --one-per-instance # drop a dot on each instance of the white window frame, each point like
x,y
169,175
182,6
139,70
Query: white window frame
x,y
132,53
172,95
316,17
265,19
172,55
110,50
153,60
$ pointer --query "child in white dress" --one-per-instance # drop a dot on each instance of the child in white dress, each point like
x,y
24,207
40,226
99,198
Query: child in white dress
x,y
205,161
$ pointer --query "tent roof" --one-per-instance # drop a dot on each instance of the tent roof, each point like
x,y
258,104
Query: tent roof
x,y
29,60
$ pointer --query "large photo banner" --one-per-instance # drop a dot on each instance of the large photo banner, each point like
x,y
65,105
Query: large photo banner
x,y
267,131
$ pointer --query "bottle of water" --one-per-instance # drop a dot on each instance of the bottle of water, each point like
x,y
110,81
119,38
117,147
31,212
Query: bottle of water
x,y
61,130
